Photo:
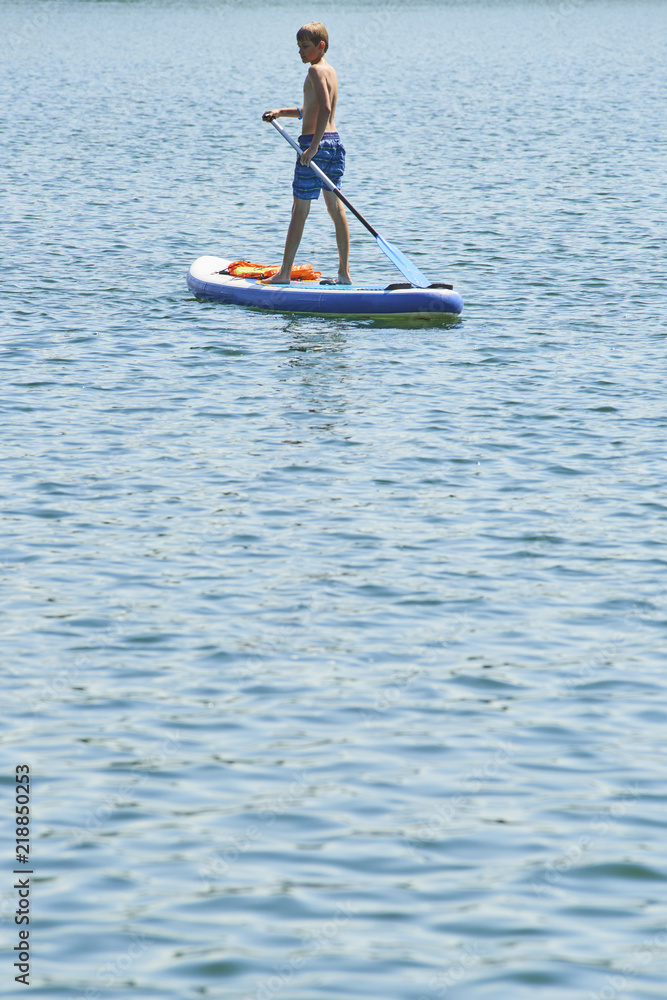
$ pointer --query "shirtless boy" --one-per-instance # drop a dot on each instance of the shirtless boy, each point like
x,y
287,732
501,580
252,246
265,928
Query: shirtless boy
x,y
320,142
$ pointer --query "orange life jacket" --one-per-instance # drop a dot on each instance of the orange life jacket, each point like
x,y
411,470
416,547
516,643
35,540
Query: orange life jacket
x,y
245,269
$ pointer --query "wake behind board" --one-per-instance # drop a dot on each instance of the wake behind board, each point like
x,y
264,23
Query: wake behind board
x,y
207,280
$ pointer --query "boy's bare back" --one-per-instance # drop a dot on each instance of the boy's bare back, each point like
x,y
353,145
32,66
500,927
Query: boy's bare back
x,y
320,92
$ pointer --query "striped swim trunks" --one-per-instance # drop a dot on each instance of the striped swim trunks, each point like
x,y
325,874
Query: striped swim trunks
x,y
330,158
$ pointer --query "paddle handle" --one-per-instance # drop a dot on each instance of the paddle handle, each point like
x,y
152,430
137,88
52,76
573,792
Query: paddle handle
x,y
325,180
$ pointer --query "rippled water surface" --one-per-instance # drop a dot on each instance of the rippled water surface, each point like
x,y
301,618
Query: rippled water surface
x,y
337,650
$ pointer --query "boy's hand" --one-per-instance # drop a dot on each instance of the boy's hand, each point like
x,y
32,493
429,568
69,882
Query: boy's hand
x,y
268,116
308,154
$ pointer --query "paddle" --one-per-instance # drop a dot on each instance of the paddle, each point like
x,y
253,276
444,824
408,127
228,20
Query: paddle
x,y
396,256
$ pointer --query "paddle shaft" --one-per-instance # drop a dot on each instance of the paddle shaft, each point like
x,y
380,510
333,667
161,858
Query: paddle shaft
x,y
396,256
325,180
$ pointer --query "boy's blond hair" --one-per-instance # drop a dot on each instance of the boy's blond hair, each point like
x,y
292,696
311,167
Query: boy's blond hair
x,y
315,32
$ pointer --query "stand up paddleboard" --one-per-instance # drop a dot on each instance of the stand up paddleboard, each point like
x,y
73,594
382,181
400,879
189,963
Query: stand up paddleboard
x,y
411,299
208,280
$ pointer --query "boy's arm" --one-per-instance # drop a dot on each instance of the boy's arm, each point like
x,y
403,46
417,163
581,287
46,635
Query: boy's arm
x,y
268,116
321,91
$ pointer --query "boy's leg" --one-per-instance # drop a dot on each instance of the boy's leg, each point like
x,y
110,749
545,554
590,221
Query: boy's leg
x,y
300,210
337,213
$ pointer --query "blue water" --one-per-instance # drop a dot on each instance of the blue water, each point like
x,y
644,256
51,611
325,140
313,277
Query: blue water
x,y
336,650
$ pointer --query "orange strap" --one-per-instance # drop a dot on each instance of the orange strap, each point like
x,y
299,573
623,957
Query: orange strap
x,y
246,269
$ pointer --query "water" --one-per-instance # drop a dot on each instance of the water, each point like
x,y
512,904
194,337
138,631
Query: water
x,y
337,650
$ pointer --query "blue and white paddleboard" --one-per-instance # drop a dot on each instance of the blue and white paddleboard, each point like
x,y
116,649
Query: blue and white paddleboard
x,y
206,278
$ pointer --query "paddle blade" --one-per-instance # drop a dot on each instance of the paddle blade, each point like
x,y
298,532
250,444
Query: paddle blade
x,y
405,266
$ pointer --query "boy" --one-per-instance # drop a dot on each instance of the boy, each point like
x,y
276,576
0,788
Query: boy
x,y
320,142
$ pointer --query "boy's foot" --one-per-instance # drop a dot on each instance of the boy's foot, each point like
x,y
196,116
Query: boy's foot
x,y
276,279
342,279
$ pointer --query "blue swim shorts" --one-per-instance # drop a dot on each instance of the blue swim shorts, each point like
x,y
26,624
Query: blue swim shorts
x,y
330,158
